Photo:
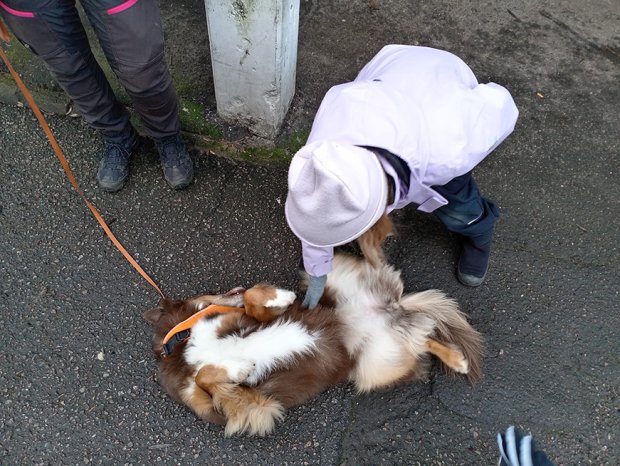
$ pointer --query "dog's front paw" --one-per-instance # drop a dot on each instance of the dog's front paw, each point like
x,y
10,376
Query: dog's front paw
x,y
239,370
282,299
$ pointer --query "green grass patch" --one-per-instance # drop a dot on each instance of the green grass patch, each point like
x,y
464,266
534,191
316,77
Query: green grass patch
x,y
295,141
193,120
279,155
266,155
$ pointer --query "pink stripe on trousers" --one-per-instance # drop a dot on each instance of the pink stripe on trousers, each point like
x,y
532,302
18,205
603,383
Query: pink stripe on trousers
x,y
122,7
23,14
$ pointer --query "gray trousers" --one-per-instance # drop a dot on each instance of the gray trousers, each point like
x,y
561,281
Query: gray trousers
x,y
131,36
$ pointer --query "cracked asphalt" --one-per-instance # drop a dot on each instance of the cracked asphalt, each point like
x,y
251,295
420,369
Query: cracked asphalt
x,y
77,379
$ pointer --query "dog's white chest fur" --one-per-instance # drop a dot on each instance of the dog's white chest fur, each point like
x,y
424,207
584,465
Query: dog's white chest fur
x,y
362,296
249,357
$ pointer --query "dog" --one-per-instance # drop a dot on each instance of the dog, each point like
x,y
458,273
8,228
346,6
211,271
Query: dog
x,y
245,367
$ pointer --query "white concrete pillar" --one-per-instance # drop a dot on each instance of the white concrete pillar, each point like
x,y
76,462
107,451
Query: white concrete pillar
x,y
254,57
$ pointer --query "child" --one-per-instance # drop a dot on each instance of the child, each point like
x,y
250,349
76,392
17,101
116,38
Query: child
x,y
409,129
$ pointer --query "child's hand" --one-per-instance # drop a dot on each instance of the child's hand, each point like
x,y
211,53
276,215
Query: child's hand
x,y
316,286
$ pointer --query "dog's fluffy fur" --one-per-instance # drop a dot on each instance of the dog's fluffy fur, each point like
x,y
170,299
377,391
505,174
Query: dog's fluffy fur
x,y
243,369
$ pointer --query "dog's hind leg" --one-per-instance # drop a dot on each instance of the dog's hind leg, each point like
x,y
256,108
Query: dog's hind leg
x,y
201,403
382,363
451,327
245,408
451,357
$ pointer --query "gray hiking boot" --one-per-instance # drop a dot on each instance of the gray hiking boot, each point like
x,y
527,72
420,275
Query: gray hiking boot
x,y
175,161
114,166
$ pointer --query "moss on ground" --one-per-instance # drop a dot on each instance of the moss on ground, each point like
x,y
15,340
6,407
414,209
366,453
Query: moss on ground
x,y
185,87
19,55
279,155
193,120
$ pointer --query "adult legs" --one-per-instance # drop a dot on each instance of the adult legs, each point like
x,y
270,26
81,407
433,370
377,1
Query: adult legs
x,y
131,36
52,30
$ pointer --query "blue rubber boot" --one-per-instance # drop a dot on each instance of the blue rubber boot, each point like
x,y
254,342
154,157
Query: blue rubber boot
x,y
473,263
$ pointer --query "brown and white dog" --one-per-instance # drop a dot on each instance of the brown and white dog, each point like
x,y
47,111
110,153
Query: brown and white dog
x,y
243,369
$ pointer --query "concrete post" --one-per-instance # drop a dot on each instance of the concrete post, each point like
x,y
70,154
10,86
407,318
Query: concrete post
x,y
254,57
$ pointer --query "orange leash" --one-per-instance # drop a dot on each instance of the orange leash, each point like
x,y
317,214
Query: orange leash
x,y
180,331
4,33
63,161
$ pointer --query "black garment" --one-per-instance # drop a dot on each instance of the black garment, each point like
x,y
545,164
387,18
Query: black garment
x,y
467,212
399,165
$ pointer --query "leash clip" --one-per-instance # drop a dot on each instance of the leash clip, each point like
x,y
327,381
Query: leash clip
x,y
174,339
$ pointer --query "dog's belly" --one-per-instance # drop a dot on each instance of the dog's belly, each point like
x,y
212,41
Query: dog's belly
x,y
248,358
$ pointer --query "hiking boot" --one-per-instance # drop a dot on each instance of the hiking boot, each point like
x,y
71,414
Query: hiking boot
x,y
473,263
175,161
114,166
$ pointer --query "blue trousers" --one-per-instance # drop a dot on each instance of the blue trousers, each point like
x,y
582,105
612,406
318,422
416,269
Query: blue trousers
x,y
130,34
467,212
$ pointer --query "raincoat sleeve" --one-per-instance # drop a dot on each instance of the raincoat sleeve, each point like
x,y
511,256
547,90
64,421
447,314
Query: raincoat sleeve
x,y
317,261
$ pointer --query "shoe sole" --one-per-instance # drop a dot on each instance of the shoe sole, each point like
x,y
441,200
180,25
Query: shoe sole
x,y
178,187
112,188
470,280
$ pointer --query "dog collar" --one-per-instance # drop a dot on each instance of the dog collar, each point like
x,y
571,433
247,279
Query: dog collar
x,y
181,331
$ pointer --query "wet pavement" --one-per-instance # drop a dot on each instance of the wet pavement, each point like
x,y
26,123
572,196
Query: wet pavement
x,y
77,379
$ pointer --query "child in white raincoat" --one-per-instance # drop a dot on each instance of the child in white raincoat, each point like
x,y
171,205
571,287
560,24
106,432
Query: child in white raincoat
x,y
409,129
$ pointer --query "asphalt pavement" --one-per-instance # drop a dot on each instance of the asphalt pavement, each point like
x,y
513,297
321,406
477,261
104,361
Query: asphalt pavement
x,y
77,378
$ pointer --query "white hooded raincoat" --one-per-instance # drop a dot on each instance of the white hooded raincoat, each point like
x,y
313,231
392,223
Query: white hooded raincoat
x,y
424,105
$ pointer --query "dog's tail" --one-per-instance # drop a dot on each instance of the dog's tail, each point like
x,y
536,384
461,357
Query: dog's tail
x,y
450,327
246,410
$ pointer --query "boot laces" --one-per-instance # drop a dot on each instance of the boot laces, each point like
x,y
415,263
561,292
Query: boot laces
x,y
115,155
171,151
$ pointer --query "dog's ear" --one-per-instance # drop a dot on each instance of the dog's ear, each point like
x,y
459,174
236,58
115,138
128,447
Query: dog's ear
x,y
153,315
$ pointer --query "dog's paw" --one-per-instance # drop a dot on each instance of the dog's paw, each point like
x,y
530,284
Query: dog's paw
x,y
239,370
283,299
459,363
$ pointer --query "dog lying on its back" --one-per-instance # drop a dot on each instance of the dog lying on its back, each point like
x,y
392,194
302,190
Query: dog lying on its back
x,y
244,368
